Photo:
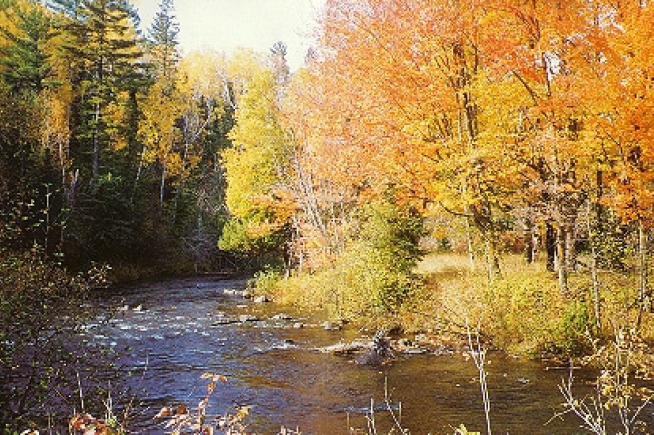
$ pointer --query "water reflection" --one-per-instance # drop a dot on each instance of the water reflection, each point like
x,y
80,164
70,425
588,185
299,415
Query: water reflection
x,y
171,333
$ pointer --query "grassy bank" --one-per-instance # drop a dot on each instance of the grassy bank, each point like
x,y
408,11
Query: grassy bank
x,y
520,311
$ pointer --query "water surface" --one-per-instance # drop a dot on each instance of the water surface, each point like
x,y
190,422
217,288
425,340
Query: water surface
x,y
171,333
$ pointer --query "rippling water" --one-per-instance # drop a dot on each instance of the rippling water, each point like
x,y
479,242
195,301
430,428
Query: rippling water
x,y
170,333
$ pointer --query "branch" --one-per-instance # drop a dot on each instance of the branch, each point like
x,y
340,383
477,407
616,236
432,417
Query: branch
x,y
532,93
455,213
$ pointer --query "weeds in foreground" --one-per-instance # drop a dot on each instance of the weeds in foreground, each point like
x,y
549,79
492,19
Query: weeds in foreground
x,y
371,423
175,420
182,420
478,353
621,362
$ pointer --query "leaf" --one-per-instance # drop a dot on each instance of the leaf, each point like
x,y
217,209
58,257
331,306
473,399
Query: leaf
x,y
242,412
215,378
164,412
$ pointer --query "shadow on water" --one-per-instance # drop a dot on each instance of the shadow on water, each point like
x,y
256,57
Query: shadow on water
x,y
170,333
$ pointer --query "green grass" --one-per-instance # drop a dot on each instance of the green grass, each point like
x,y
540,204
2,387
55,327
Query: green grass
x,y
521,311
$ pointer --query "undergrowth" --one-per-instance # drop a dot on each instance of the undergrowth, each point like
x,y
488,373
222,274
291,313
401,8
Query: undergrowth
x,y
521,311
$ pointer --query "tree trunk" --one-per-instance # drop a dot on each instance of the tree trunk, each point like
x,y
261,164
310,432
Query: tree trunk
x,y
492,257
528,235
162,186
644,300
96,143
570,249
561,261
594,277
550,246
471,252
137,178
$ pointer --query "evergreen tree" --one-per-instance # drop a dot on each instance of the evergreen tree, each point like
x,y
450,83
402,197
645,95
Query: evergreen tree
x,y
24,63
102,37
163,42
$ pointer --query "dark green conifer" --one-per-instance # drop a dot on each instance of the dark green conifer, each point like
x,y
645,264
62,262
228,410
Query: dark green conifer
x,y
24,63
163,41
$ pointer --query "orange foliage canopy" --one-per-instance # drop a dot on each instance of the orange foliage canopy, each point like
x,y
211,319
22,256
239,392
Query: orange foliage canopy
x,y
484,104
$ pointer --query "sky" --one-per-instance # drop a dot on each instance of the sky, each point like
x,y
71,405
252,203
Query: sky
x,y
224,25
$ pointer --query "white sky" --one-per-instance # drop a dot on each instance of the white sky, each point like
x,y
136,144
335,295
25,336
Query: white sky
x,y
226,24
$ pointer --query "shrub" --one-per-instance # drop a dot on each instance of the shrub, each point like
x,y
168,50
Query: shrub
x,y
372,277
571,335
40,309
522,312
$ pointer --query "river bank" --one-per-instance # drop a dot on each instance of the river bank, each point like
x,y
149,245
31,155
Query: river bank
x,y
170,334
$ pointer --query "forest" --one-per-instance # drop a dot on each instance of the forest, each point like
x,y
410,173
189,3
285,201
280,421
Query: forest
x,y
433,165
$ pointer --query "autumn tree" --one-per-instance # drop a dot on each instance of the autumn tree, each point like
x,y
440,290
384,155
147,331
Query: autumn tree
x,y
401,100
258,201
158,128
622,120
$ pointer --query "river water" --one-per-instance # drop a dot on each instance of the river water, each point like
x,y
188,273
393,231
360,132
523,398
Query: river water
x,y
170,333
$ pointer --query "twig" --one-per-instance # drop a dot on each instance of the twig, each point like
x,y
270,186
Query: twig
x,y
372,430
387,399
479,357
81,393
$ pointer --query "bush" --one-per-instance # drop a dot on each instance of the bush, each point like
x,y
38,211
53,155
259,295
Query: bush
x,y
571,335
265,281
40,309
525,312
371,278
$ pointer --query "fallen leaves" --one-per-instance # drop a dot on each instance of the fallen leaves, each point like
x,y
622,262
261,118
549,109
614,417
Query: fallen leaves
x,y
86,424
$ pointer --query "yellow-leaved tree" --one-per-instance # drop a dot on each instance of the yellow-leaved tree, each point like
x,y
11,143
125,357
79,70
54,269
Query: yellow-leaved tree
x,y
259,201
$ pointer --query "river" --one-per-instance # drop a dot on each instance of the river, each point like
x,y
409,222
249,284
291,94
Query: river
x,y
170,333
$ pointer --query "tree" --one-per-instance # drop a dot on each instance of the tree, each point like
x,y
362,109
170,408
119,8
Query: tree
x,y
279,65
258,201
24,60
622,117
163,41
102,38
412,121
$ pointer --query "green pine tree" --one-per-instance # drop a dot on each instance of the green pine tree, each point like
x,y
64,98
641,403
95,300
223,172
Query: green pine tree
x,y
163,41
102,38
25,64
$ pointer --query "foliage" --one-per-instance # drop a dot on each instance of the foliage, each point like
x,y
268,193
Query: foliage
x,y
41,308
24,63
102,49
265,281
181,420
384,254
520,312
101,223
256,195
570,336
163,40
524,310
372,278
510,118
621,362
